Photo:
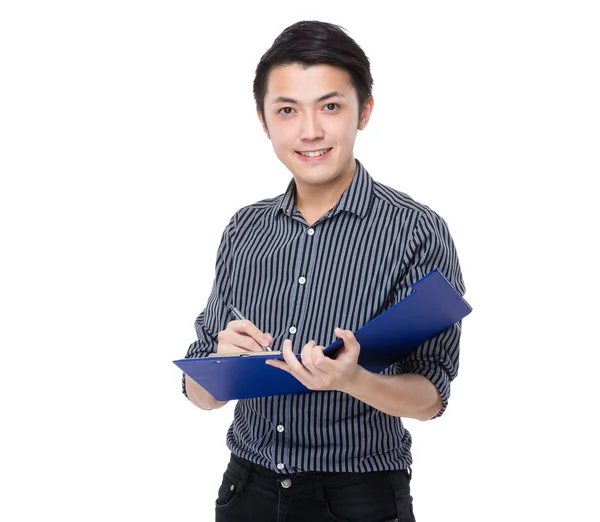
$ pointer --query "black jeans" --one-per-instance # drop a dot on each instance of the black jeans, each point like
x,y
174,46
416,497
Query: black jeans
x,y
251,493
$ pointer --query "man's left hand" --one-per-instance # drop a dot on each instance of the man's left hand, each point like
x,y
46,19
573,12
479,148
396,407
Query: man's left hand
x,y
317,371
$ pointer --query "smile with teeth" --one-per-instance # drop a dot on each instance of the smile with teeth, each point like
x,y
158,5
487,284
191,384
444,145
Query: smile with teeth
x,y
314,154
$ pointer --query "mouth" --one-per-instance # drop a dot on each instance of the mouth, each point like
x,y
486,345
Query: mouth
x,y
314,154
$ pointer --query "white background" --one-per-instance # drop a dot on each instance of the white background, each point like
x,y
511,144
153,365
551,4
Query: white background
x,y
128,138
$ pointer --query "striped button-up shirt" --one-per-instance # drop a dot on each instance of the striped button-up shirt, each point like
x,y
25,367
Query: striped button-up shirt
x,y
299,282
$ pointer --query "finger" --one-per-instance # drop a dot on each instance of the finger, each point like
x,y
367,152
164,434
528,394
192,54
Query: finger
x,y
292,361
318,359
309,355
314,358
348,337
249,328
282,365
231,341
306,354
321,363
246,342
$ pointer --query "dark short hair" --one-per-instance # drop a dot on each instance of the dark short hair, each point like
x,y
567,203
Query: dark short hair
x,y
313,43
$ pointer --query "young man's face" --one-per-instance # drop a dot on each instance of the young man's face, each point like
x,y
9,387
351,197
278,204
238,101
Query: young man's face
x,y
312,118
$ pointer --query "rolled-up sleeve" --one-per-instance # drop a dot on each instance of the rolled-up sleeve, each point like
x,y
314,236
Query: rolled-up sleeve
x,y
432,247
214,317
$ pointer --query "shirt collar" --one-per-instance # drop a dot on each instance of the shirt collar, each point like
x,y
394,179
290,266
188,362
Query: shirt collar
x,y
356,198
286,205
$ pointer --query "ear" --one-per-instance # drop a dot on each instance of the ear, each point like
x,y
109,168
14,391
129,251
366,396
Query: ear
x,y
366,113
263,123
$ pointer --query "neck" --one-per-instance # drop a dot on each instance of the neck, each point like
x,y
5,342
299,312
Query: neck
x,y
316,200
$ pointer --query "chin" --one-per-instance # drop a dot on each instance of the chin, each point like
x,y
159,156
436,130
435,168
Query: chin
x,y
318,177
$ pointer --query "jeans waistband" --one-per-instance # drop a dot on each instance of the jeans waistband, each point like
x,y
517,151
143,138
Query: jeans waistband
x,y
309,482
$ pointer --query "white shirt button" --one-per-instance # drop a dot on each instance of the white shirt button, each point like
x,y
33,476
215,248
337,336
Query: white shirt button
x,y
302,280
293,330
311,232
280,428
280,466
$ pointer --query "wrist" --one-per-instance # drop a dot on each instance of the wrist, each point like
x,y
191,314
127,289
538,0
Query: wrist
x,y
357,382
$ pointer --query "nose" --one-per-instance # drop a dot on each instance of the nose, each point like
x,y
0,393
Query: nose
x,y
311,129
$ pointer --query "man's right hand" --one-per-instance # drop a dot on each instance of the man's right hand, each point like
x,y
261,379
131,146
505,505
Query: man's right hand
x,y
242,336
239,336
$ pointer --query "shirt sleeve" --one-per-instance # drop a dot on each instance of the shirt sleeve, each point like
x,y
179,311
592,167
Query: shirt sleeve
x,y
214,317
437,359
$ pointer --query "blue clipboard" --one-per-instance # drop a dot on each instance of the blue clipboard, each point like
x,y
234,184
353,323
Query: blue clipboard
x,y
432,307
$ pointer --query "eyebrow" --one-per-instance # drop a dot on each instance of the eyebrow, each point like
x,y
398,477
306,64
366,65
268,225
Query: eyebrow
x,y
332,94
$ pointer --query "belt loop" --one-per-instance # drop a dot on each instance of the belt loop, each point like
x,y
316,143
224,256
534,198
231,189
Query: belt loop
x,y
318,483
398,478
246,468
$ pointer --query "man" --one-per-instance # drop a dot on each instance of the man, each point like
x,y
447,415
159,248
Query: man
x,y
319,261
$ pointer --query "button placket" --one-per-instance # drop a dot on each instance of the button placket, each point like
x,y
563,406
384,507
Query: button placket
x,y
306,271
302,281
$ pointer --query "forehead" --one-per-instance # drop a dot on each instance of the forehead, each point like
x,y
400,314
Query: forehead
x,y
307,83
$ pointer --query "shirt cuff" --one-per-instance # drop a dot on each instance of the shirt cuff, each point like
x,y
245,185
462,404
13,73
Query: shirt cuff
x,y
434,373
197,356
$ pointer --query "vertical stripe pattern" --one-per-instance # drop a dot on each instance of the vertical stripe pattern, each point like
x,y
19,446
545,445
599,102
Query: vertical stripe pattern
x,y
300,282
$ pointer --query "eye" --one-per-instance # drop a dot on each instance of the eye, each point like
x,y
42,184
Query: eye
x,y
285,110
331,107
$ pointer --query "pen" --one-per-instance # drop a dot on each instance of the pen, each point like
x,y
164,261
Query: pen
x,y
240,317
